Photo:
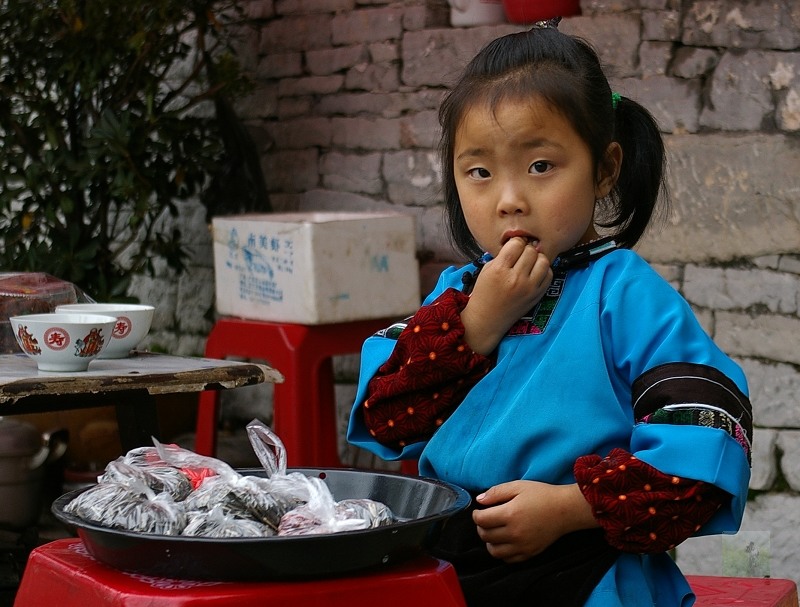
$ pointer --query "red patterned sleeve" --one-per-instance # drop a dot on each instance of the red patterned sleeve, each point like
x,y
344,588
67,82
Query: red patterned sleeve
x,y
641,509
428,374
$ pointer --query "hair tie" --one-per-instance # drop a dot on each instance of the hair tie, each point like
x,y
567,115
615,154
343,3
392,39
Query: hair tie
x,y
615,97
547,24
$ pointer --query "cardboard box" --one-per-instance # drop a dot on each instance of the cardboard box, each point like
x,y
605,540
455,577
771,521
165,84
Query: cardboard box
x,y
316,268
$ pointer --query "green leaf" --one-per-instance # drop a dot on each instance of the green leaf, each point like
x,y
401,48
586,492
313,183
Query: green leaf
x,y
96,140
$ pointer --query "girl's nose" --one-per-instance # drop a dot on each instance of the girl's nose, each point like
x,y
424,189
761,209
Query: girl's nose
x,y
512,201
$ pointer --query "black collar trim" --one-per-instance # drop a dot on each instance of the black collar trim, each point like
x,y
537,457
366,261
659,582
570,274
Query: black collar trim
x,y
581,256
577,257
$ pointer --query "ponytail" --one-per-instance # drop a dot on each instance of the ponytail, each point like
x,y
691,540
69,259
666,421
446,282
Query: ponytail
x,y
642,177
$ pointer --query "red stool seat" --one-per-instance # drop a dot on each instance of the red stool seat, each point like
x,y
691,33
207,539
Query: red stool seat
x,y
304,404
719,591
62,573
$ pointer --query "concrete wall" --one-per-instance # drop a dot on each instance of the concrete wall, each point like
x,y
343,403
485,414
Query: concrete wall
x,y
345,117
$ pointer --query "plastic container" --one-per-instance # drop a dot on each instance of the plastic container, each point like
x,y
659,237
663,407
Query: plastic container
x,y
29,293
531,11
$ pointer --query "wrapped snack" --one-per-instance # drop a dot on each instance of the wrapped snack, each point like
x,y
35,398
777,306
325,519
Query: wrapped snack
x,y
159,477
196,467
318,515
246,497
142,457
293,487
95,503
373,513
158,514
348,515
216,523
131,506
266,505
213,491
268,448
169,480
150,458
183,458
301,521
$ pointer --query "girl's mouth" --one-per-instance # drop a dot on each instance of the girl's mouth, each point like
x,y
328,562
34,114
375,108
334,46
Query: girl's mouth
x,y
528,238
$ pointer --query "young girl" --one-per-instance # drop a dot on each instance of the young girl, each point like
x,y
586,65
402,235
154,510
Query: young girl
x,y
558,378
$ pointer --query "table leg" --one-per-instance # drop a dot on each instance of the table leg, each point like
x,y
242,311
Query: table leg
x,y
137,420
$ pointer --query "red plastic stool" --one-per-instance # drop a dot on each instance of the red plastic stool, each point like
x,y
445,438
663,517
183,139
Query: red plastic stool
x,y
304,404
719,591
62,573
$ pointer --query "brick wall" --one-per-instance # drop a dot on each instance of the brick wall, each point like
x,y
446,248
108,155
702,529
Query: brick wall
x,y
345,116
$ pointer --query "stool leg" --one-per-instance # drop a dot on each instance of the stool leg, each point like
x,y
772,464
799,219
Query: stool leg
x,y
205,440
326,439
228,337
328,341
409,466
304,405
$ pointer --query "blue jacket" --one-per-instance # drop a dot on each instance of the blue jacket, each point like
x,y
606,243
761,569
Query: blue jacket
x,y
565,391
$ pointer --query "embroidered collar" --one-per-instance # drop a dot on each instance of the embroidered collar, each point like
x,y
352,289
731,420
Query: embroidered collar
x,y
582,255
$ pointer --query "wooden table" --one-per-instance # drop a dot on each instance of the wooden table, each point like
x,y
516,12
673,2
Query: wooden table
x,y
130,384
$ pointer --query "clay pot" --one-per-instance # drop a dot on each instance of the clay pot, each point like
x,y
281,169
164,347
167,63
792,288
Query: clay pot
x,y
24,454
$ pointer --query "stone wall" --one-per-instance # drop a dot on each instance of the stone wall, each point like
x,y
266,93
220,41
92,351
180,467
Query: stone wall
x,y
345,116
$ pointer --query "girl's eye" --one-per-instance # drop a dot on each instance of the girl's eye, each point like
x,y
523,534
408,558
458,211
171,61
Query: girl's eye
x,y
479,173
540,166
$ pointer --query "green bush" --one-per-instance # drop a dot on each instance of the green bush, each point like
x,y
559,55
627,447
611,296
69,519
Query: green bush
x,y
110,113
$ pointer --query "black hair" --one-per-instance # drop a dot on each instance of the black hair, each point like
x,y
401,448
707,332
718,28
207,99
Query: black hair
x,y
565,71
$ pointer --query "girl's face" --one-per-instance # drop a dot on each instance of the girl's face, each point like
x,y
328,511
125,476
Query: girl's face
x,y
522,170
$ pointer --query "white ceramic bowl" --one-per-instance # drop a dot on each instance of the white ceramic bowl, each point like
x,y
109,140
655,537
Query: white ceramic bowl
x,y
63,342
133,324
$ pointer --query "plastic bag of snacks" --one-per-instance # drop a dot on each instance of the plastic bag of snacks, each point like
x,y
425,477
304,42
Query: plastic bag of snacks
x,y
161,479
168,490
323,514
216,523
320,512
130,505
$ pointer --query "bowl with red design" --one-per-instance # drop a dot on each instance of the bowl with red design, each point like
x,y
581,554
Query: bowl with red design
x,y
63,342
132,326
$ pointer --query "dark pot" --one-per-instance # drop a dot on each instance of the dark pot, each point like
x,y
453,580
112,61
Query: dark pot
x,y
24,452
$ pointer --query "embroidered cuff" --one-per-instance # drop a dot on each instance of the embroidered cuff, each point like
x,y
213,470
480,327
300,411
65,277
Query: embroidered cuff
x,y
428,374
641,509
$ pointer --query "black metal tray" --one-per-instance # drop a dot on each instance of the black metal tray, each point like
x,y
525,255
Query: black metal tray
x,y
422,505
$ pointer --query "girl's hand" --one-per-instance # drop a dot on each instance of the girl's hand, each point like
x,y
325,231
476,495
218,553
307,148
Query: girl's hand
x,y
507,287
522,518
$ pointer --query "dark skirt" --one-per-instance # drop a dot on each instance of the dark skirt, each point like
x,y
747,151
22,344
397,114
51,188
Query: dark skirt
x,y
564,575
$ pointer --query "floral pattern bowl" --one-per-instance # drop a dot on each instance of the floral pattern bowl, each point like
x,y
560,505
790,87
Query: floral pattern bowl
x,y
132,326
63,342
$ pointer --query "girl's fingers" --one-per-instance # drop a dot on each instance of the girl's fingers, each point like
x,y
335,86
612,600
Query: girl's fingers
x,y
519,254
511,251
